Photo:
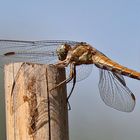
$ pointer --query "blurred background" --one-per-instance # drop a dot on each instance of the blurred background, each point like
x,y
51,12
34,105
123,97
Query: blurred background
x,y
112,27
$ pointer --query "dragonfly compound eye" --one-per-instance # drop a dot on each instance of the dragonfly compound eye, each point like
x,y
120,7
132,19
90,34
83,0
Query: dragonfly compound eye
x,y
62,51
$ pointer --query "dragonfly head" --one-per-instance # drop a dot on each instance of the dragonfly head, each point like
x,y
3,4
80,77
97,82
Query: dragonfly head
x,y
62,51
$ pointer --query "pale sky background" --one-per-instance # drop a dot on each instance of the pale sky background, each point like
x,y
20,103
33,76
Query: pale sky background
x,y
112,27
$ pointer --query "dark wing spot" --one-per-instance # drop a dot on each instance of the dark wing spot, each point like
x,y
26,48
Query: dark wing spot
x,y
9,53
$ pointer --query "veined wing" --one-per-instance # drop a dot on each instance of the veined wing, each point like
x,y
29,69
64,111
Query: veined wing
x,y
40,52
114,92
82,72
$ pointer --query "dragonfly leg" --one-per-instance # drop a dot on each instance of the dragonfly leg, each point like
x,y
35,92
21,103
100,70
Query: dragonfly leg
x,y
71,76
66,80
62,64
74,82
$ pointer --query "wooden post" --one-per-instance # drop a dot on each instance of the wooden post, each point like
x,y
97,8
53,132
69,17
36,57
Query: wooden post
x,y
32,111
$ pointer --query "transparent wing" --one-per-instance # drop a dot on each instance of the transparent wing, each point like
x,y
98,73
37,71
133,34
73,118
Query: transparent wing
x,y
82,72
120,78
41,52
114,92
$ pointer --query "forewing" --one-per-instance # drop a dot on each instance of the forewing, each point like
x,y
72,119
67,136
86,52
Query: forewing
x,y
41,52
114,91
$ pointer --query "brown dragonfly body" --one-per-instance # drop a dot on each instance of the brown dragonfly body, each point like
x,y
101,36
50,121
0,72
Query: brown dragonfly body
x,y
86,54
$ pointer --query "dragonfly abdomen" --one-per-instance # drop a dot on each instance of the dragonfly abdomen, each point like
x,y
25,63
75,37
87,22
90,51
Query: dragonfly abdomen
x,y
104,62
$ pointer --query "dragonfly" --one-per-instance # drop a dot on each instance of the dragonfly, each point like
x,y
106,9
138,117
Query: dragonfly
x,y
64,53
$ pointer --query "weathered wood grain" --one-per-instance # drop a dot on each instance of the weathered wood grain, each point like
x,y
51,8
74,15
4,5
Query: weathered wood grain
x,y
32,111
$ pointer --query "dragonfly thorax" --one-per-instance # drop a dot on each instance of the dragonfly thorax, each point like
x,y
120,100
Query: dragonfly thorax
x,y
81,54
62,51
